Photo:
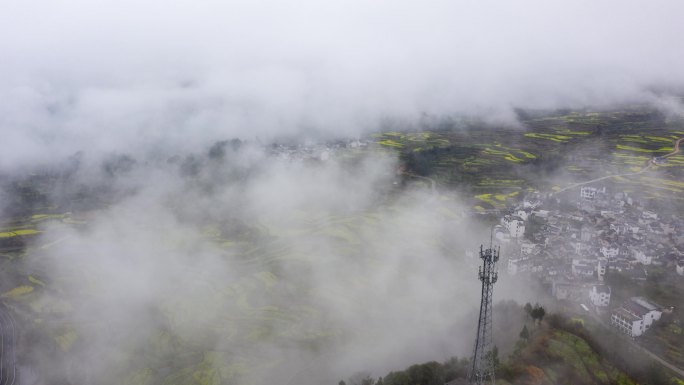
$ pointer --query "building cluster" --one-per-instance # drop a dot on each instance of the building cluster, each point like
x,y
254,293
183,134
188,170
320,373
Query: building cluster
x,y
571,243
310,150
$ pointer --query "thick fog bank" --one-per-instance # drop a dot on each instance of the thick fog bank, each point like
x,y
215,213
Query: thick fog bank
x,y
252,268
144,75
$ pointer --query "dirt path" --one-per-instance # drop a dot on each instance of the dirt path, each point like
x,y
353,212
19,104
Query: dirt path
x,y
676,148
650,164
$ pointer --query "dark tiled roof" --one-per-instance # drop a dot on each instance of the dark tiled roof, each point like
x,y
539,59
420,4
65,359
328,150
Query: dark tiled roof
x,y
626,314
635,308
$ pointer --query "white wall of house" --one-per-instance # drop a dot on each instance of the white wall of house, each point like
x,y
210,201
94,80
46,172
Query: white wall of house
x,y
514,225
599,298
641,257
502,236
589,193
541,213
649,215
601,269
522,214
527,247
629,327
637,328
512,266
609,252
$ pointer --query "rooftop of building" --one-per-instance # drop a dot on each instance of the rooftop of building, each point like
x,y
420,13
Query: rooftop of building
x,y
625,314
636,308
645,303
602,289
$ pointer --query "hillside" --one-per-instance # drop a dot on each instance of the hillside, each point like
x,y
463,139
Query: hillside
x,y
556,356
559,351
549,150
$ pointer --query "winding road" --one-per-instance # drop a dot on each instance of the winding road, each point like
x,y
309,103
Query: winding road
x,y
650,164
8,359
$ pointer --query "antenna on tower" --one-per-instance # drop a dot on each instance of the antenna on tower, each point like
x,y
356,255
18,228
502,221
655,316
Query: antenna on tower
x,y
491,236
481,370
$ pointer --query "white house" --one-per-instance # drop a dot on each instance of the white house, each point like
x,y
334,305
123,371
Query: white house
x,y
586,233
649,215
523,214
502,234
641,257
600,295
583,268
531,203
618,228
527,247
635,316
668,228
607,213
601,268
610,252
680,267
579,247
515,225
513,266
541,213
569,291
597,294
651,311
589,193
627,322
632,228
522,264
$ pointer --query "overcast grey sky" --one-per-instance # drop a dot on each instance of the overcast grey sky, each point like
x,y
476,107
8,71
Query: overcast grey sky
x,y
114,75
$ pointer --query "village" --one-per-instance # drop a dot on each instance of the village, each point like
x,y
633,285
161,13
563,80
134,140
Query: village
x,y
572,241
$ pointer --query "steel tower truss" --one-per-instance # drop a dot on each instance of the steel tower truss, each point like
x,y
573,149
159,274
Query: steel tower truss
x,y
482,368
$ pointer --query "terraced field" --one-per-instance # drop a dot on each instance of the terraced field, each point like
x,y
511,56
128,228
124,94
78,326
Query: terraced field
x,y
549,152
211,324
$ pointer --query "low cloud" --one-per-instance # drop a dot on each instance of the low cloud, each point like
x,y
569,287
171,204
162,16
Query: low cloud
x,y
119,76
299,270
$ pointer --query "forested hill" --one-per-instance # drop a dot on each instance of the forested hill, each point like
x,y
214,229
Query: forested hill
x,y
557,351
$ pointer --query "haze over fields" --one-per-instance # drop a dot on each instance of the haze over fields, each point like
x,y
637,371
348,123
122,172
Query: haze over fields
x,y
172,254
127,75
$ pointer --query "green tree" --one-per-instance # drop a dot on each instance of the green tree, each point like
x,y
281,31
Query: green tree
x,y
538,313
397,378
494,355
455,368
524,333
528,309
429,373
541,313
361,378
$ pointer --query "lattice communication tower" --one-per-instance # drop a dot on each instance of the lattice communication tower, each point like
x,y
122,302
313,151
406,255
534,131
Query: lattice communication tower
x,y
482,368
